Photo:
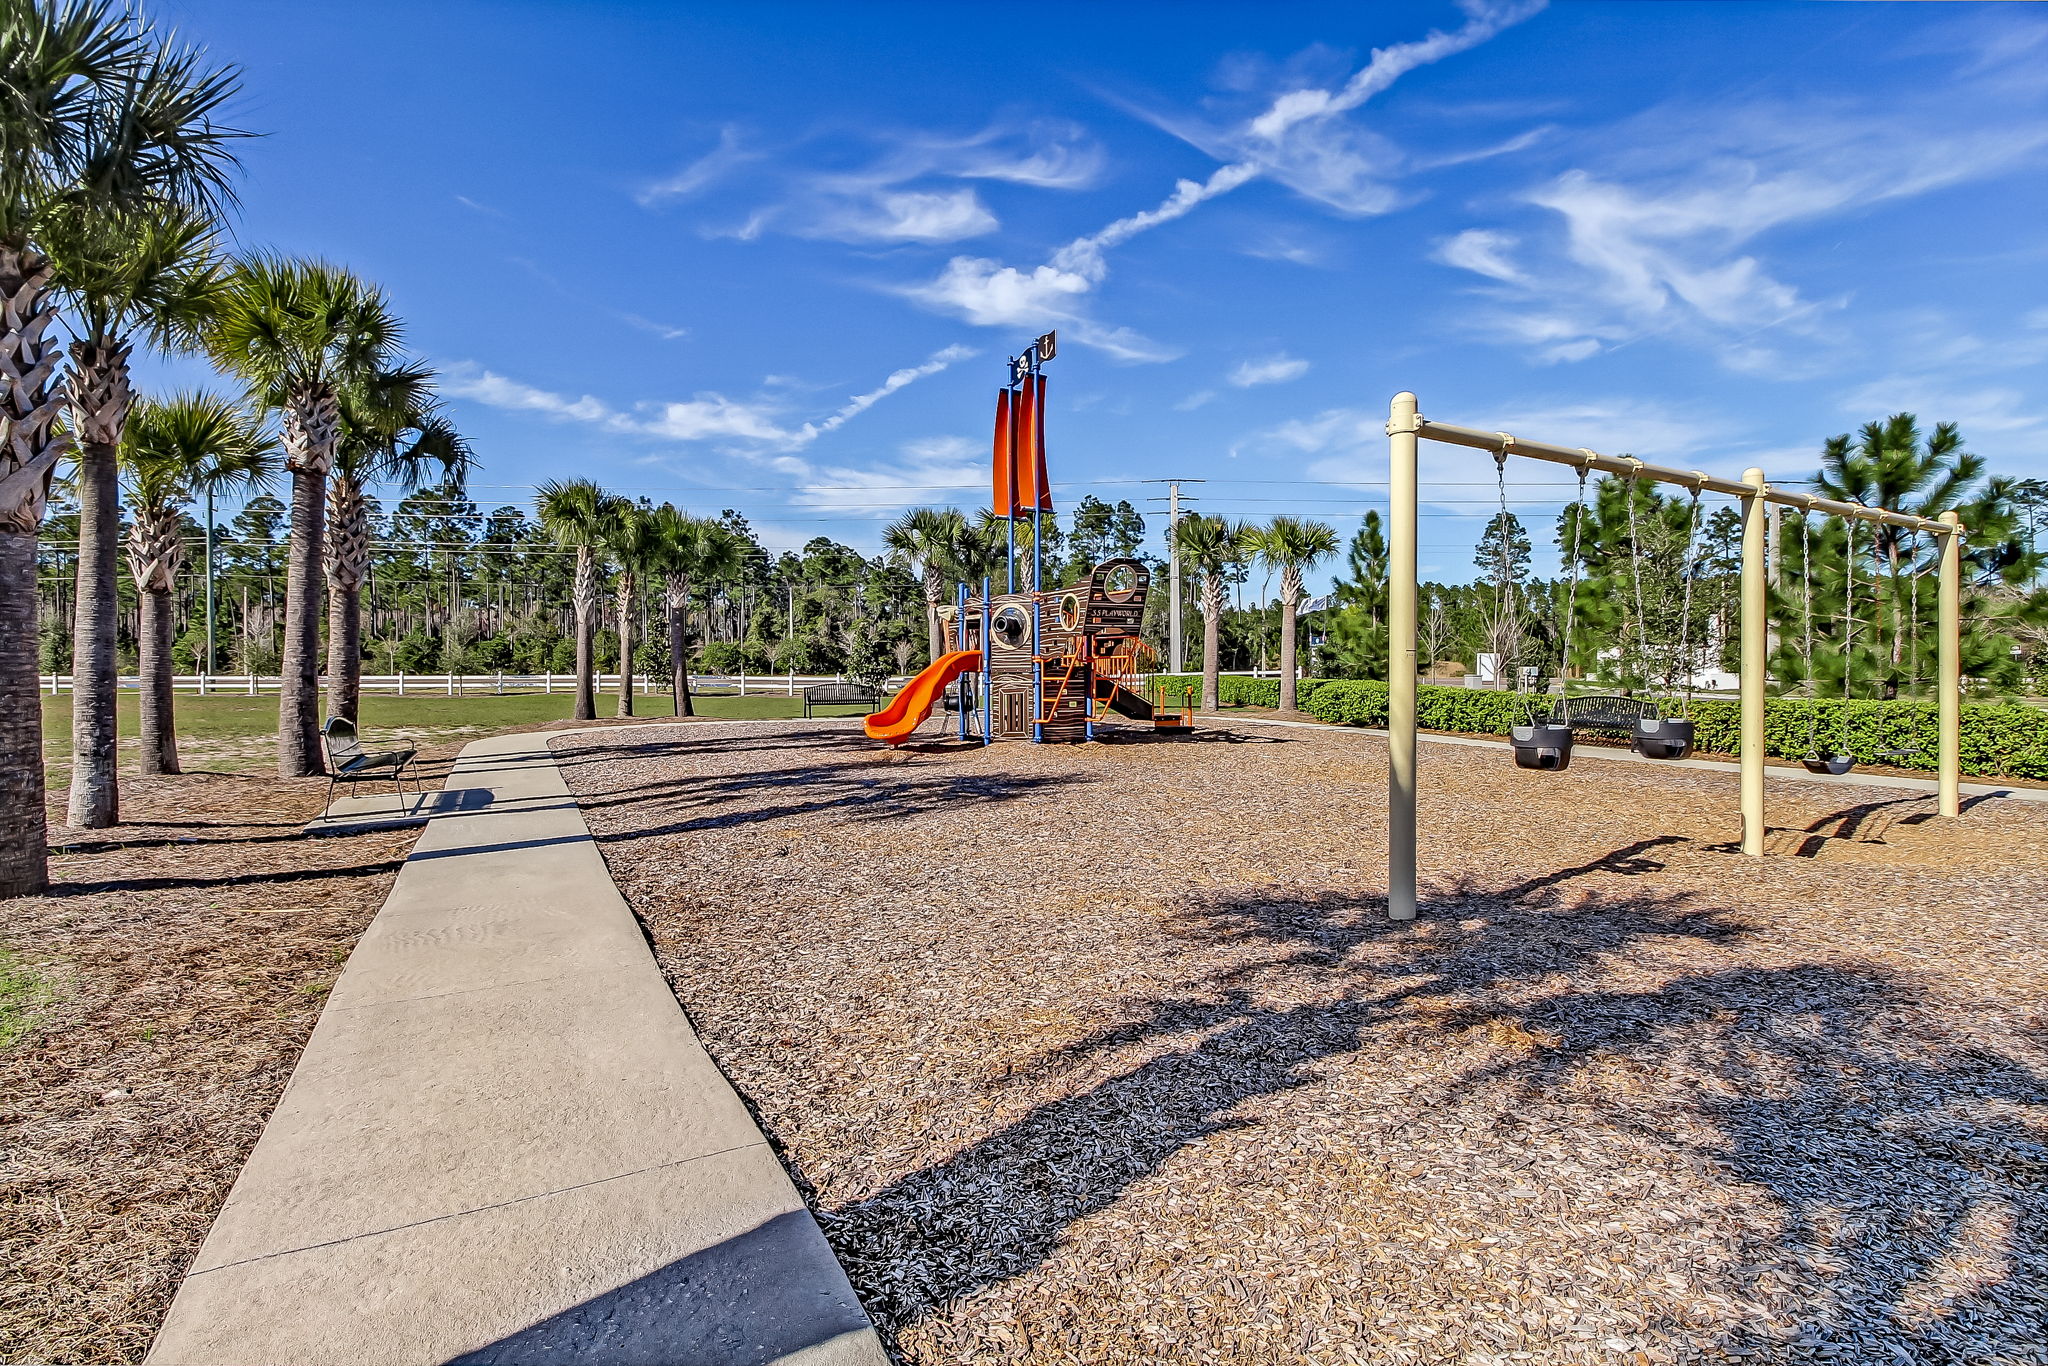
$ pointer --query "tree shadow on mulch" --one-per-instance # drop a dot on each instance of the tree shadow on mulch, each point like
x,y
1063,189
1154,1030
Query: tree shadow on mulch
x,y
1880,1177
853,793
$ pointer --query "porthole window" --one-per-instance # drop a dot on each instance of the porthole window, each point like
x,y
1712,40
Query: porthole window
x,y
1070,611
1120,583
1011,627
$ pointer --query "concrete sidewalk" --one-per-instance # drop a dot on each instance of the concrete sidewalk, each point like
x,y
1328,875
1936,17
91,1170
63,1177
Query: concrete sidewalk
x,y
504,1143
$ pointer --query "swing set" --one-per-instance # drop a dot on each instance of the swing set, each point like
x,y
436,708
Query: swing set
x,y
1545,742
1840,760
1652,734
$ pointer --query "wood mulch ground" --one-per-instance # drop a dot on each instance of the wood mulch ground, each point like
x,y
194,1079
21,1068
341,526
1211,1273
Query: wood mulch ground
x,y
188,952
1107,1053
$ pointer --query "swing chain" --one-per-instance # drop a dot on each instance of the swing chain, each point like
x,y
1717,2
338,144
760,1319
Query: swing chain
x,y
1571,591
1692,536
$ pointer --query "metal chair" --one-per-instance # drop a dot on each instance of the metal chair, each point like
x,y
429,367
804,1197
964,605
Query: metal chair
x,y
349,762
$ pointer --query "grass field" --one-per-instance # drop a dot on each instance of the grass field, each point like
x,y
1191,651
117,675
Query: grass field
x,y
227,731
21,990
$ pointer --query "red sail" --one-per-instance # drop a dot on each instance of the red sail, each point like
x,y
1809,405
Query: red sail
x,y
1004,503
1040,482
1026,410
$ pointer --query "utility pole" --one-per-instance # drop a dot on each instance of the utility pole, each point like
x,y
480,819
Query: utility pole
x,y
1173,629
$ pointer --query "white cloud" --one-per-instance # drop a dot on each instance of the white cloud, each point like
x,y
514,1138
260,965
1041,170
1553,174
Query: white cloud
x,y
1272,370
1298,140
662,330
933,470
1481,251
701,173
709,416
895,194
908,216
1996,409
991,294
465,380
1198,399
759,425
1664,238
860,403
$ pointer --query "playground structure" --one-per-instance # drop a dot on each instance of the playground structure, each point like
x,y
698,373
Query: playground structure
x,y
1031,663
1546,742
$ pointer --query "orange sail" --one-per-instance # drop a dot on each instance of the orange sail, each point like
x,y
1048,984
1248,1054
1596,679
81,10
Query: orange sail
x,y
1039,483
1005,500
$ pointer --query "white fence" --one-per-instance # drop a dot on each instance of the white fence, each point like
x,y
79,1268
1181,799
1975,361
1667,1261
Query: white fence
x,y
478,685
473,685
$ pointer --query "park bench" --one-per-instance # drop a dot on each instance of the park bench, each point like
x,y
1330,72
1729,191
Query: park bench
x,y
1546,742
349,762
840,695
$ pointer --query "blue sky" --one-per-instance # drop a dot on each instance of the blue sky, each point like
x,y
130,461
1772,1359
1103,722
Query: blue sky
x,y
773,256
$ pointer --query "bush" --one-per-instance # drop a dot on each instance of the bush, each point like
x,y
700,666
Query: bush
x,y
1235,691
1998,740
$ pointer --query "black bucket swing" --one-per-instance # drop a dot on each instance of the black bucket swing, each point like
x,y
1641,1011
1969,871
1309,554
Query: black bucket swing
x,y
1657,736
1544,743
1841,761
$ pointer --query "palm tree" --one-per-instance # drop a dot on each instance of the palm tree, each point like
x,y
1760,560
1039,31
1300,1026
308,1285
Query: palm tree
x,y
304,335
96,110
1292,546
390,432
976,552
924,539
171,451
686,549
578,513
150,271
630,537
1212,547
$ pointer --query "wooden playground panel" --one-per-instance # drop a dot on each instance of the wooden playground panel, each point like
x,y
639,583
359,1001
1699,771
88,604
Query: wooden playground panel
x,y
1622,1095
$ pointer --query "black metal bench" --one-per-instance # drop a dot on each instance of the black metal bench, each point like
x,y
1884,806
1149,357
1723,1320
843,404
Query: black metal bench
x,y
1546,742
1603,712
840,695
349,762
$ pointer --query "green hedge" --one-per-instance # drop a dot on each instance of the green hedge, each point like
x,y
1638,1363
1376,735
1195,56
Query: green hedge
x,y
1242,692
1998,740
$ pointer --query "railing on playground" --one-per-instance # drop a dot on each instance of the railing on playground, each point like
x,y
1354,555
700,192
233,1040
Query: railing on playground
x,y
474,685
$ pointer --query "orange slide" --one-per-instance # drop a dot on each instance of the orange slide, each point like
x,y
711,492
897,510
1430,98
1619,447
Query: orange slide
x,y
907,709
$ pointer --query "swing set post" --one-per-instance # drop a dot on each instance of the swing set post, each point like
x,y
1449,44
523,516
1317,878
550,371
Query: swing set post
x,y
1755,653
1403,435
1949,667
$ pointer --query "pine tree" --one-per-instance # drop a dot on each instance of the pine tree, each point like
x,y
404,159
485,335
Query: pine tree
x,y
1357,643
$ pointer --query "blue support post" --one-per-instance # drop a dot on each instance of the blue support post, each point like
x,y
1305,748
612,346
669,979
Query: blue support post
x,y
1037,679
960,643
988,695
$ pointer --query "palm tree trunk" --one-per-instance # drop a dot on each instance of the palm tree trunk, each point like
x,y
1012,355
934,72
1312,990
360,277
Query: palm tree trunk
x,y
1212,620
678,645
311,423
344,649
100,397
348,563
298,705
24,859
159,730
1288,691
584,596
95,801
625,614
29,403
156,552
934,589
